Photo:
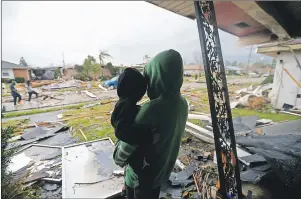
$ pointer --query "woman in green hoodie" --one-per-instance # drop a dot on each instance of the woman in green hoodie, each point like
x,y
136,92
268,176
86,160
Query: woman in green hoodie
x,y
167,110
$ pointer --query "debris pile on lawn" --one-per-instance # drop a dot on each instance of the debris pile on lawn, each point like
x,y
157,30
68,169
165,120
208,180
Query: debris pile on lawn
x,y
48,157
265,149
252,98
63,84
39,164
280,146
39,157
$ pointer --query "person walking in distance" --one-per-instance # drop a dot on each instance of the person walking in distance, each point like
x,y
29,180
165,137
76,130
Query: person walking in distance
x,y
15,94
29,90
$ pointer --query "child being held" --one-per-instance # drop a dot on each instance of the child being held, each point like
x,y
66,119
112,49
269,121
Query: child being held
x,y
130,89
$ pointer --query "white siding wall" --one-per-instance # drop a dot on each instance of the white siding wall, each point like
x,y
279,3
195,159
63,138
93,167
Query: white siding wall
x,y
285,90
10,73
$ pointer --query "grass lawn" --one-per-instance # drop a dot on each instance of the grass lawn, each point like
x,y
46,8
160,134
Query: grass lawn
x,y
19,125
275,117
5,94
94,122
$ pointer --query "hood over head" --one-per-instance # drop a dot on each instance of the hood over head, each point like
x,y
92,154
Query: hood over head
x,y
131,85
164,74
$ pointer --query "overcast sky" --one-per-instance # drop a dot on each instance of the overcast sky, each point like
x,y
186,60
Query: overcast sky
x,y
42,31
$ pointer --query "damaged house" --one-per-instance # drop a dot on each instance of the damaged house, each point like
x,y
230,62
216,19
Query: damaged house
x,y
286,91
12,71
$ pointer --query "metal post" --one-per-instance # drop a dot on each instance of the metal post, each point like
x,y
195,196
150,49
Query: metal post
x,y
229,185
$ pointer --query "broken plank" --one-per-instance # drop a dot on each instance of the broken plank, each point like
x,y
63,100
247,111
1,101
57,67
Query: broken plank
x,y
199,117
290,113
101,87
198,128
90,94
53,180
200,136
83,134
240,152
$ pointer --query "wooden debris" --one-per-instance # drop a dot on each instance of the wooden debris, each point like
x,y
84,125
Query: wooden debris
x,y
90,94
83,134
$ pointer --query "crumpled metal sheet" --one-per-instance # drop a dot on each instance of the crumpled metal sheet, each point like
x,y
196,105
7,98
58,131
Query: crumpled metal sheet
x,y
88,170
34,133
41,161
40,134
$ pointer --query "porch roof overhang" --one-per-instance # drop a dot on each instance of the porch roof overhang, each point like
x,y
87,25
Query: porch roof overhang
x,y
253,22
273,48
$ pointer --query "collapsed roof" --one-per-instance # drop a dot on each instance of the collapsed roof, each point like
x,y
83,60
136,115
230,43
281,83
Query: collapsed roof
x,y
253,22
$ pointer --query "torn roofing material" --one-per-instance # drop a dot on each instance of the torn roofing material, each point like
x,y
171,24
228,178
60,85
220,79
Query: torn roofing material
x,y
43,136
40,161
88,170
281,151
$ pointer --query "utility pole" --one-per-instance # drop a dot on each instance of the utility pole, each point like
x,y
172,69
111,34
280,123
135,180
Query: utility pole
x,y
63,60
249,58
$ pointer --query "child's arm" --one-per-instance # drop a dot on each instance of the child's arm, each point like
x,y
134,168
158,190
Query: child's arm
x,y
123,122
122,153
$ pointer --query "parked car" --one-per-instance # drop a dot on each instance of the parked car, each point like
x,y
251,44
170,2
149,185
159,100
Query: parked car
x,y
265,75
112,83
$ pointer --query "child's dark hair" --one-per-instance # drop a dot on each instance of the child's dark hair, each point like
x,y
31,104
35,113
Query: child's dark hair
x,y
131,84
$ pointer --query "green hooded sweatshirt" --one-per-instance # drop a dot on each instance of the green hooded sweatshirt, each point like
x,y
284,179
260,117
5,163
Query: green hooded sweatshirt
x,y
167,110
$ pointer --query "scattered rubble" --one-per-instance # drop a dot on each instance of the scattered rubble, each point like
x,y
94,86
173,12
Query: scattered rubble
x,y
63,84
254,99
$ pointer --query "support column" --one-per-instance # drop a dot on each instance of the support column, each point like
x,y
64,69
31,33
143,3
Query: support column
x,y
229,184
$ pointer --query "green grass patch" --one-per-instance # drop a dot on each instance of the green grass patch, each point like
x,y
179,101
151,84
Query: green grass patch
x,y
5,94
95,122
275,117
37,111
18,125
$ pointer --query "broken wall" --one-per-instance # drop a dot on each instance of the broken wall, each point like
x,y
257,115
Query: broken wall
x,y
285,90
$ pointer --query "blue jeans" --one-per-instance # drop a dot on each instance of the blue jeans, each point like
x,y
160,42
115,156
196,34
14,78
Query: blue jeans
x,y
15,96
